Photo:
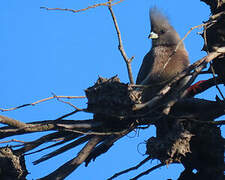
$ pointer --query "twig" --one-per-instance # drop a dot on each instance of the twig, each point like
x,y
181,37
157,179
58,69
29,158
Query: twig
x,y
216,16
63,149
175,50
105,145
84,9
31,127
206,45
191,29
130,169
28,128
71,165
58,98
66,97
205,39
148,171
33,144
121,49
221,122
42,100
183,92
178,45
67,138
12,140
215,82
68,114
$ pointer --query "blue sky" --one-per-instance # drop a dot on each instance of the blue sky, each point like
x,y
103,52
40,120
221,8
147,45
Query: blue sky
x,y
64,53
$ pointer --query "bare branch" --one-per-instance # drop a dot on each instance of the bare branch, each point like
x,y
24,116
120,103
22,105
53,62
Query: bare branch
x,y
12,140
25,128
98,133
218,123
68,137
121,49
130,169
84,9
12,122
68,114
63,149
58,98
105,145
42,100
216,16
71,165
215,82
148,171
44,139
191,29
35,127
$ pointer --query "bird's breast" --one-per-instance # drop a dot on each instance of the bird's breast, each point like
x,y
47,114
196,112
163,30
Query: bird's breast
x,y
167,63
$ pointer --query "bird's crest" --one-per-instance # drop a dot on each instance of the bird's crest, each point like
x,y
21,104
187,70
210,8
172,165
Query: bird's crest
x,y
158,19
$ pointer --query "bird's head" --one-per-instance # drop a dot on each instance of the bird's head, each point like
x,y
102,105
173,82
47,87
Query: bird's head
x,y
162,33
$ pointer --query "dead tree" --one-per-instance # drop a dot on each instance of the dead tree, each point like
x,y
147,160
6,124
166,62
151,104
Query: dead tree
x,y
187,132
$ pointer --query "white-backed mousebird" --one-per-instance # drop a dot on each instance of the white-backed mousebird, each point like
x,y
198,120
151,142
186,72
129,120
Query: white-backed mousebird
x,y
162,62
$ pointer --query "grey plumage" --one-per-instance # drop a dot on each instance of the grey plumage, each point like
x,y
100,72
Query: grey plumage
x,y
161,64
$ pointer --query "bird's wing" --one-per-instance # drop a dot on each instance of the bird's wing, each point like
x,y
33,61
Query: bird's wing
x,y
146,67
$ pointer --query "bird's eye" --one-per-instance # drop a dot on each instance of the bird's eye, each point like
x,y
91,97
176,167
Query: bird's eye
x,y
162,31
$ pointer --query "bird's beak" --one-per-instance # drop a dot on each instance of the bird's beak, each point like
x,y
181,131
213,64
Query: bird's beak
x,y
153,35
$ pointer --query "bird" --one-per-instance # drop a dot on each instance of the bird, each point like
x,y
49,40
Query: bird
x,y
166,58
